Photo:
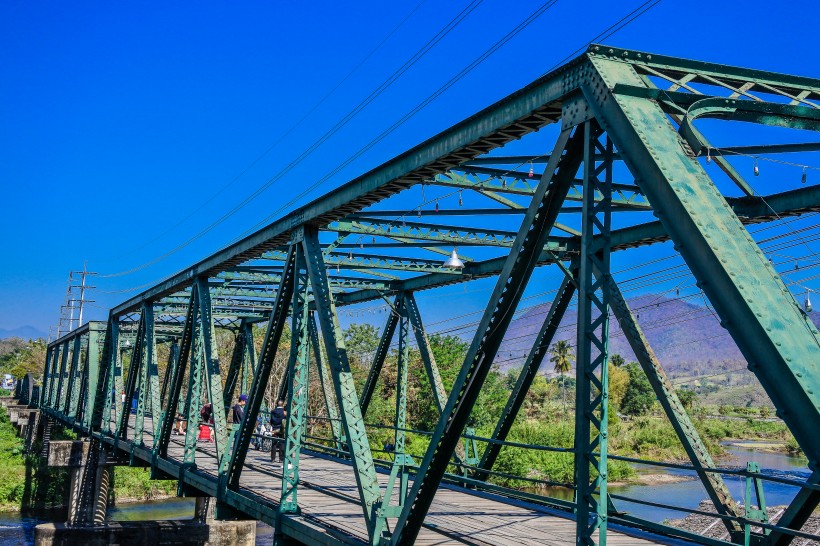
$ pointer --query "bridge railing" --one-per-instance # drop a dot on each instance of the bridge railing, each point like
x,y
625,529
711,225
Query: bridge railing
x,y
464,474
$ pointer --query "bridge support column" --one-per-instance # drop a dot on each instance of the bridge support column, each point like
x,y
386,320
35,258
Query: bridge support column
x,y
89,469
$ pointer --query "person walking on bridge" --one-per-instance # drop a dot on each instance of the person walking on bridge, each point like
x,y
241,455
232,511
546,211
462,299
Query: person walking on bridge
x,y
238,413
277,422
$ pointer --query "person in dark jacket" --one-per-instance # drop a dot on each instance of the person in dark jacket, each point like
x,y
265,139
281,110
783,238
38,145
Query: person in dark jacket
x,y
239,409
277,422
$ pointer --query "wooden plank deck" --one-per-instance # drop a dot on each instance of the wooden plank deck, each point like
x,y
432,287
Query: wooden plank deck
x,y
329,497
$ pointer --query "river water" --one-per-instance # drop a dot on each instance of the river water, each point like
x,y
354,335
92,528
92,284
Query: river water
x,y
16,529
689,492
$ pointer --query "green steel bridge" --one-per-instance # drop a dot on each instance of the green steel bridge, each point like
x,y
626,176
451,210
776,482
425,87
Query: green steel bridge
x,y
620,161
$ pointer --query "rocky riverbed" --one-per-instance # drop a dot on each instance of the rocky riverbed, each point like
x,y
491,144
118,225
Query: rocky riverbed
x,y
712,527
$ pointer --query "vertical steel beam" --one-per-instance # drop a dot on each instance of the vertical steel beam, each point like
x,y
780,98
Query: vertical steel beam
x,y
797,513
352,421
177,377
75,377
326,382
96,338
132,381
592,382
379,357
149,377
102,398
535,357
213,375
193,395
690,439
776,338
47,371
237,361
53,376
425,351
399,449
518,267
273,335
57,394
298,365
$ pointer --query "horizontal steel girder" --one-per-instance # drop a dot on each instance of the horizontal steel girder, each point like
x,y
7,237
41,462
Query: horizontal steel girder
x,y
624,196
335,281
373,261
776,338
455,235
750,210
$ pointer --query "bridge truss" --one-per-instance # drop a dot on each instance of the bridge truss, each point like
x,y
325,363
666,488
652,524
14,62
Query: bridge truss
x,y
627,165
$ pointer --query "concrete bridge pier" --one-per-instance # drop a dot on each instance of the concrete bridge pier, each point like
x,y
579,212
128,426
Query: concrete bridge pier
x,y
87,523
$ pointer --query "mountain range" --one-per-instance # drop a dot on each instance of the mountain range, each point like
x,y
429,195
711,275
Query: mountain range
x,y
24,332
684,332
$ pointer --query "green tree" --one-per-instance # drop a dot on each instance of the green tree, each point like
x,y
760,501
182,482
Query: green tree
x,y
639,396
618,381
687,397
617,360
562,356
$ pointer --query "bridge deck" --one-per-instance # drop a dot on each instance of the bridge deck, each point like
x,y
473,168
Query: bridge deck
x,y
329,498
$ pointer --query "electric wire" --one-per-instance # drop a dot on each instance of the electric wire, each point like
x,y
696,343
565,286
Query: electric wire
x,y
326,136
284,135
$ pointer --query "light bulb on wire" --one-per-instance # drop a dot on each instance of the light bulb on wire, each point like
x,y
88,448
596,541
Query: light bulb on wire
x,y
532,171
803,177
756,169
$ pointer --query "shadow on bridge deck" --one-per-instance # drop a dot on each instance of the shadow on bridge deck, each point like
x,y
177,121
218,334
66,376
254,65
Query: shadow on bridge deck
x,y
329,501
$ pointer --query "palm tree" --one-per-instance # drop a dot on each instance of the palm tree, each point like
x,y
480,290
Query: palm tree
x,y
562,356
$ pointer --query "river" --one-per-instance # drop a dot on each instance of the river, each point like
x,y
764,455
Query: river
x,y
689,493
16,529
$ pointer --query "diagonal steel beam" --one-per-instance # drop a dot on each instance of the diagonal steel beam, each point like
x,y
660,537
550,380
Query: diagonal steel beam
x,y
664,390
379,356
237,358
177,372
797,513
326,384
427,357
778,341
518,268
273,335
352,421
535,357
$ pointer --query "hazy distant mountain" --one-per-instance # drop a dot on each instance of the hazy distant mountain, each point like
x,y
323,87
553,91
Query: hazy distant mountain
x,y
684,333
25,332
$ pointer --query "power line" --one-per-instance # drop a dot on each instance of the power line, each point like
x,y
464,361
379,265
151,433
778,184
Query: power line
x,y
324,138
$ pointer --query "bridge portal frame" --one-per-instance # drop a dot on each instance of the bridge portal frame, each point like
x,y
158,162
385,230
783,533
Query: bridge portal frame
x,y
607,93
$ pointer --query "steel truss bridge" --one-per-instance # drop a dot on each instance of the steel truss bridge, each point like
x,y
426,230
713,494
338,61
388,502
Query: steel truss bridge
x,y
626,166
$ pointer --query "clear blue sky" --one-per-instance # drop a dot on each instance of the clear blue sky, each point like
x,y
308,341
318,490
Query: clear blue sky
x,y
117,121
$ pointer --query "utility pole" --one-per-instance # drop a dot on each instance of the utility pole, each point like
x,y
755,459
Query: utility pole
x,y
67,322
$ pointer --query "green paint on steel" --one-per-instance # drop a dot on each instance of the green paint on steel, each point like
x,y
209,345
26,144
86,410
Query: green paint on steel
x,y
298,364
592,383
665,391
535,357
326,384
379,356
776,338
518,268
352,421
276,325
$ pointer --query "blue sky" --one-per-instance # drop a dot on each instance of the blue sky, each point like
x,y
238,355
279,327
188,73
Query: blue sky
x,y
117,122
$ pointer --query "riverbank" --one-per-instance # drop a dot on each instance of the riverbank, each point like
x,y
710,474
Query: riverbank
x,y
711,527
20,490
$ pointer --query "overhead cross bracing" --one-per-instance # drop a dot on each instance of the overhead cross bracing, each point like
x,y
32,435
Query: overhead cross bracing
x,y
620,161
